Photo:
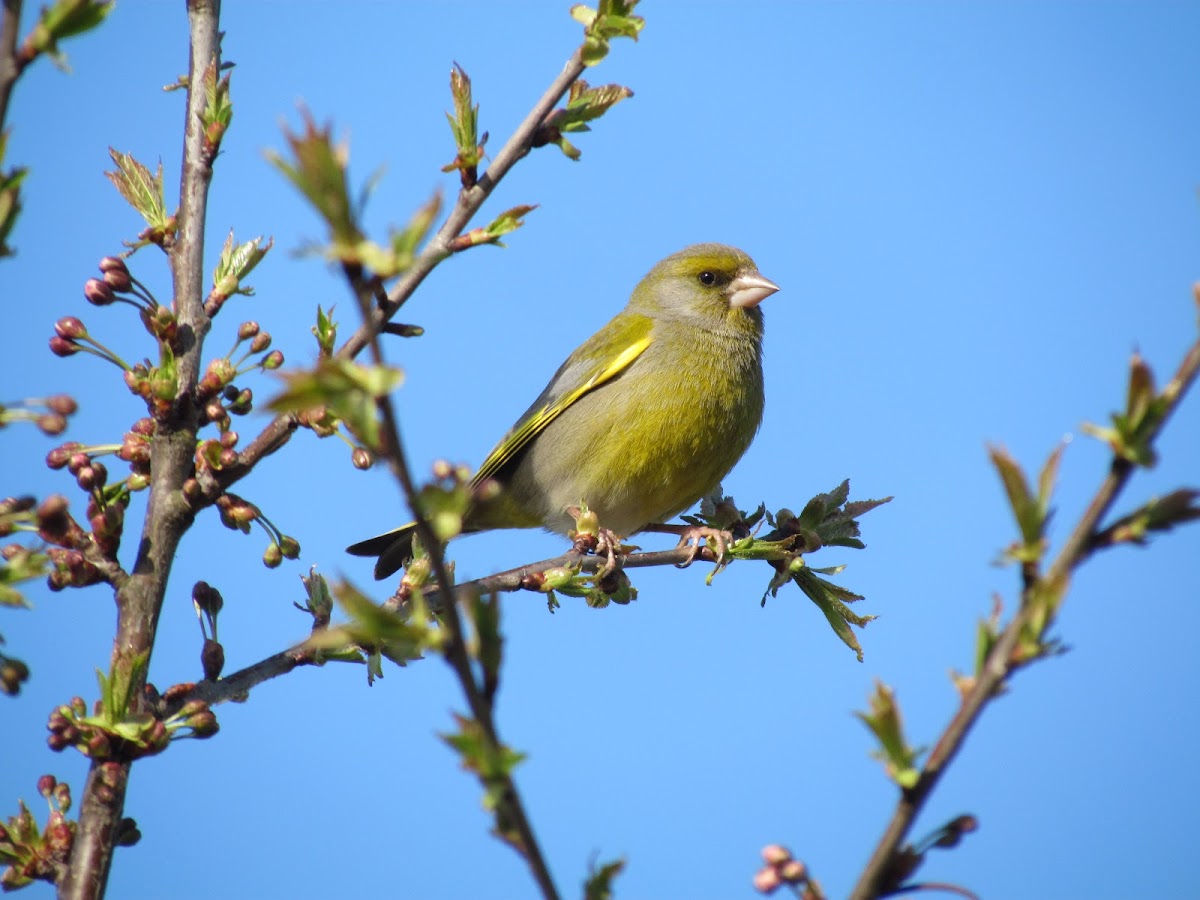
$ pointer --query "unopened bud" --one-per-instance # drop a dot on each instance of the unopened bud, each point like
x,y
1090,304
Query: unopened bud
x,y
60,346
98,293
260,343
361,458
52,423
46,784
63,404
767,880
793,871
775,855
212,660
70,328
247,330
272,557
272,360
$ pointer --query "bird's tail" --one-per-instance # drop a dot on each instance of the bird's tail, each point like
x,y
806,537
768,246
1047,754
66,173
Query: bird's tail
x,y
394,549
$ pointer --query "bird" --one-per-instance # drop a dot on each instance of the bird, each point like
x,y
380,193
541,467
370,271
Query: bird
x,y
643,419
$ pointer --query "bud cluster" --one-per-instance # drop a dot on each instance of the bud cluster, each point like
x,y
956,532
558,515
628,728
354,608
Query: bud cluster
x,y
781,869
124,736
105,508
71,336
238,514
13,674
33,854
49,415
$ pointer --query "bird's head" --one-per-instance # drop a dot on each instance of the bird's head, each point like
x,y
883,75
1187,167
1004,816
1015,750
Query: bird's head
x,y
711,285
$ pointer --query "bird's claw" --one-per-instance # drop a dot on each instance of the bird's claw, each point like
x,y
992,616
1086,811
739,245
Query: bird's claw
x,y
605,544
714,538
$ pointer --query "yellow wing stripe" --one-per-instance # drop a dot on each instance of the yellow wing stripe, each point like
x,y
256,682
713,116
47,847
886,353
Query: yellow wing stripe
x,y
536,424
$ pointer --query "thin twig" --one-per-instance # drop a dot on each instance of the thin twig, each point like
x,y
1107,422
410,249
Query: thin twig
x,y
168,516
999,664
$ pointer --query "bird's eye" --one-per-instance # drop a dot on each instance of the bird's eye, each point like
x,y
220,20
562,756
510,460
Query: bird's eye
x,y
707,278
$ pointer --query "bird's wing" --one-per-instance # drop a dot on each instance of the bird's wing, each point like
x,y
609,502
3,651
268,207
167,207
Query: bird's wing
x,y
601,358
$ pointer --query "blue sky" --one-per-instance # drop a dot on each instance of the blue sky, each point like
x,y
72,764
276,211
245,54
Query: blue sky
x,y
976,212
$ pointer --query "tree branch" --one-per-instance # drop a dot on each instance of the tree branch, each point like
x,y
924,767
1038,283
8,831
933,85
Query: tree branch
x,y
1000,663
140,597
10,66
239,684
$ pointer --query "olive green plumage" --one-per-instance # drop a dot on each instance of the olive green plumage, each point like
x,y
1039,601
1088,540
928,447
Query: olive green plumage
x,y
643,419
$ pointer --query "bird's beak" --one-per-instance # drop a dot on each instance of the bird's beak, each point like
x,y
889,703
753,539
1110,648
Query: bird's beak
x,y
750,290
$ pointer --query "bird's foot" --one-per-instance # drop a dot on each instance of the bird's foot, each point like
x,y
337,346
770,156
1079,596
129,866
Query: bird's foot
x,y
715,539
604,543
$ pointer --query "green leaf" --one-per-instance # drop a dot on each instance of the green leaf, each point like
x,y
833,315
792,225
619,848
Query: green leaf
x,y
464,125
64,19
10,198
493,764
378,632
1132,431
831,600
141,189
349,391
218,108
325,331
487,644
898,758
1027,509
236,263
505,223
319,172
406,242
612,18
1159,514
584,103
599,883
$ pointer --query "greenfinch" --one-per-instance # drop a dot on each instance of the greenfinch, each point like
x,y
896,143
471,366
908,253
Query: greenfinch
x,y
642,420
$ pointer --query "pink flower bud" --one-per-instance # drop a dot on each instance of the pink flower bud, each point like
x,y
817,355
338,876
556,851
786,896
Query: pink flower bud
x,y
70,328
52,423
62,404
766,880
60,346
97,293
